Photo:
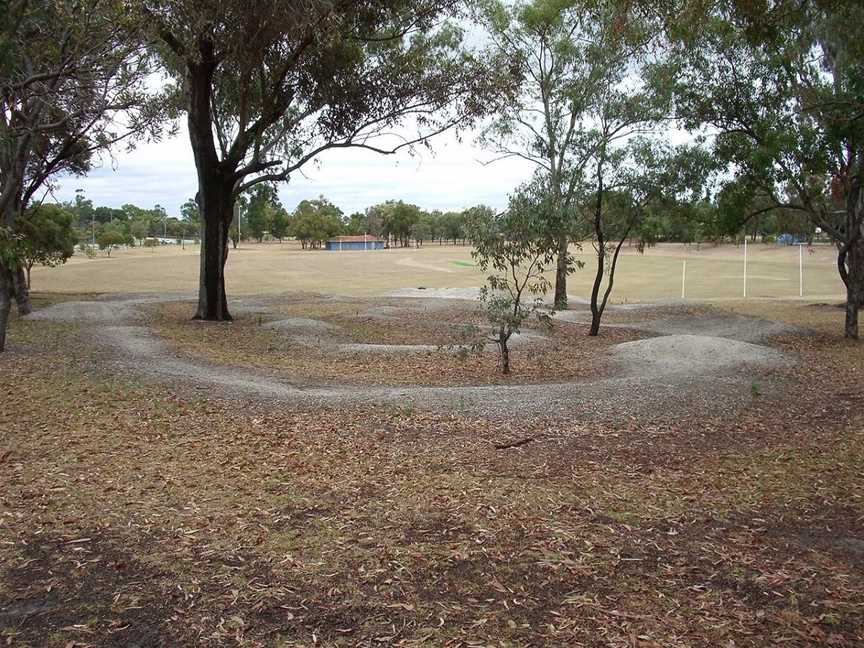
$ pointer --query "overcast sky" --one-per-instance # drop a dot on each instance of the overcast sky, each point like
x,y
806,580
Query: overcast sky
x,y
450,177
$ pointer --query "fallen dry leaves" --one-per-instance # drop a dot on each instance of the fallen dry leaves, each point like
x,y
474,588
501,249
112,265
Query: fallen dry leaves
x,y
132,514
566,354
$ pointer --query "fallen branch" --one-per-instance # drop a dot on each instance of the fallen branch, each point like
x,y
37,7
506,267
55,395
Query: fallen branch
x,y
514,444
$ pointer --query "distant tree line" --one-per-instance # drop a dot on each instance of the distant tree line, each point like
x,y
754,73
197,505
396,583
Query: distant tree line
x,y
260,216
130,224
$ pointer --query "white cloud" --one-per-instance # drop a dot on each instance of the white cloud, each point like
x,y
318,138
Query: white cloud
x,y
449,177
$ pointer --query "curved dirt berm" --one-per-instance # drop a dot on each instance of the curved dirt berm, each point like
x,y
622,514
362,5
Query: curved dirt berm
x,y
657,378
85,311
688,355
295,324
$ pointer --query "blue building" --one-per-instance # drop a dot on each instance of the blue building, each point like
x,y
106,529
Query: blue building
x,y
364,242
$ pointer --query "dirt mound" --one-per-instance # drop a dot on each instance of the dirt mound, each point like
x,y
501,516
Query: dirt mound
x,y
437,293
736,327
689,355
516,340
298,324
85,311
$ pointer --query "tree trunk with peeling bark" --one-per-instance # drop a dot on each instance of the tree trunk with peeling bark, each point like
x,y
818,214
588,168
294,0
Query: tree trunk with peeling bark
x,y
850,260
853,277
561,271
21,286
5,305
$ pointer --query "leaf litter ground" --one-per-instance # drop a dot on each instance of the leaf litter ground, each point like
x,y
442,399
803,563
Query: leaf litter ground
x,y
136,513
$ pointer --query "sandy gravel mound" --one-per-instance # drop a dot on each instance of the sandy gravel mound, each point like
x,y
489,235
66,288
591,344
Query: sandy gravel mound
x,y
688,355
298,324
738,327
516,340
85,311
388,348
735,327
437,293
405,309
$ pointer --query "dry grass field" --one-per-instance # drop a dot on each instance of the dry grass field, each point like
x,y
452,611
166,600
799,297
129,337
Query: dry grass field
x,y
713,273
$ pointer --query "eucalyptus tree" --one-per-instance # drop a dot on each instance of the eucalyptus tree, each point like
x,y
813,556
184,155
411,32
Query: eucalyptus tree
x,y
268,86
516,249
47,236
315,221
630,180
575,58
779,84
263,205
72,83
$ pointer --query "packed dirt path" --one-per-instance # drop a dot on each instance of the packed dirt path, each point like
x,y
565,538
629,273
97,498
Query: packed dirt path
x,y
705,365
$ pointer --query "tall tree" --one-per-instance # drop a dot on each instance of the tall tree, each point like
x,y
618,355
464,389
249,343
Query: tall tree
x,y
72,83
515,247
47,236
779,84
269,85
315,221
279,223
400,220
357,224
627,181
263,203
570,55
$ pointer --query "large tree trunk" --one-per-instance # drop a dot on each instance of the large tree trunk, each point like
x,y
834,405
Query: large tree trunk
x,y
561,274
7,220
21,286
850,330
212,299
850,261
5,304
215,189
854,280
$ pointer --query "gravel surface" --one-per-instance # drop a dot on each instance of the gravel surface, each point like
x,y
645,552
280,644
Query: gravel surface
x,y
295,324
471,294
516,340
87,311
437,293
731,326
692,355
660,378
736,327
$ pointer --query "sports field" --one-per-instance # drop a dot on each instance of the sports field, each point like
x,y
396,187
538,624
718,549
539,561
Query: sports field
x,y
712,272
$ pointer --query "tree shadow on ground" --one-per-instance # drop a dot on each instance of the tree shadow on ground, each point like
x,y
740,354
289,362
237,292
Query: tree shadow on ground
x,y
66,591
